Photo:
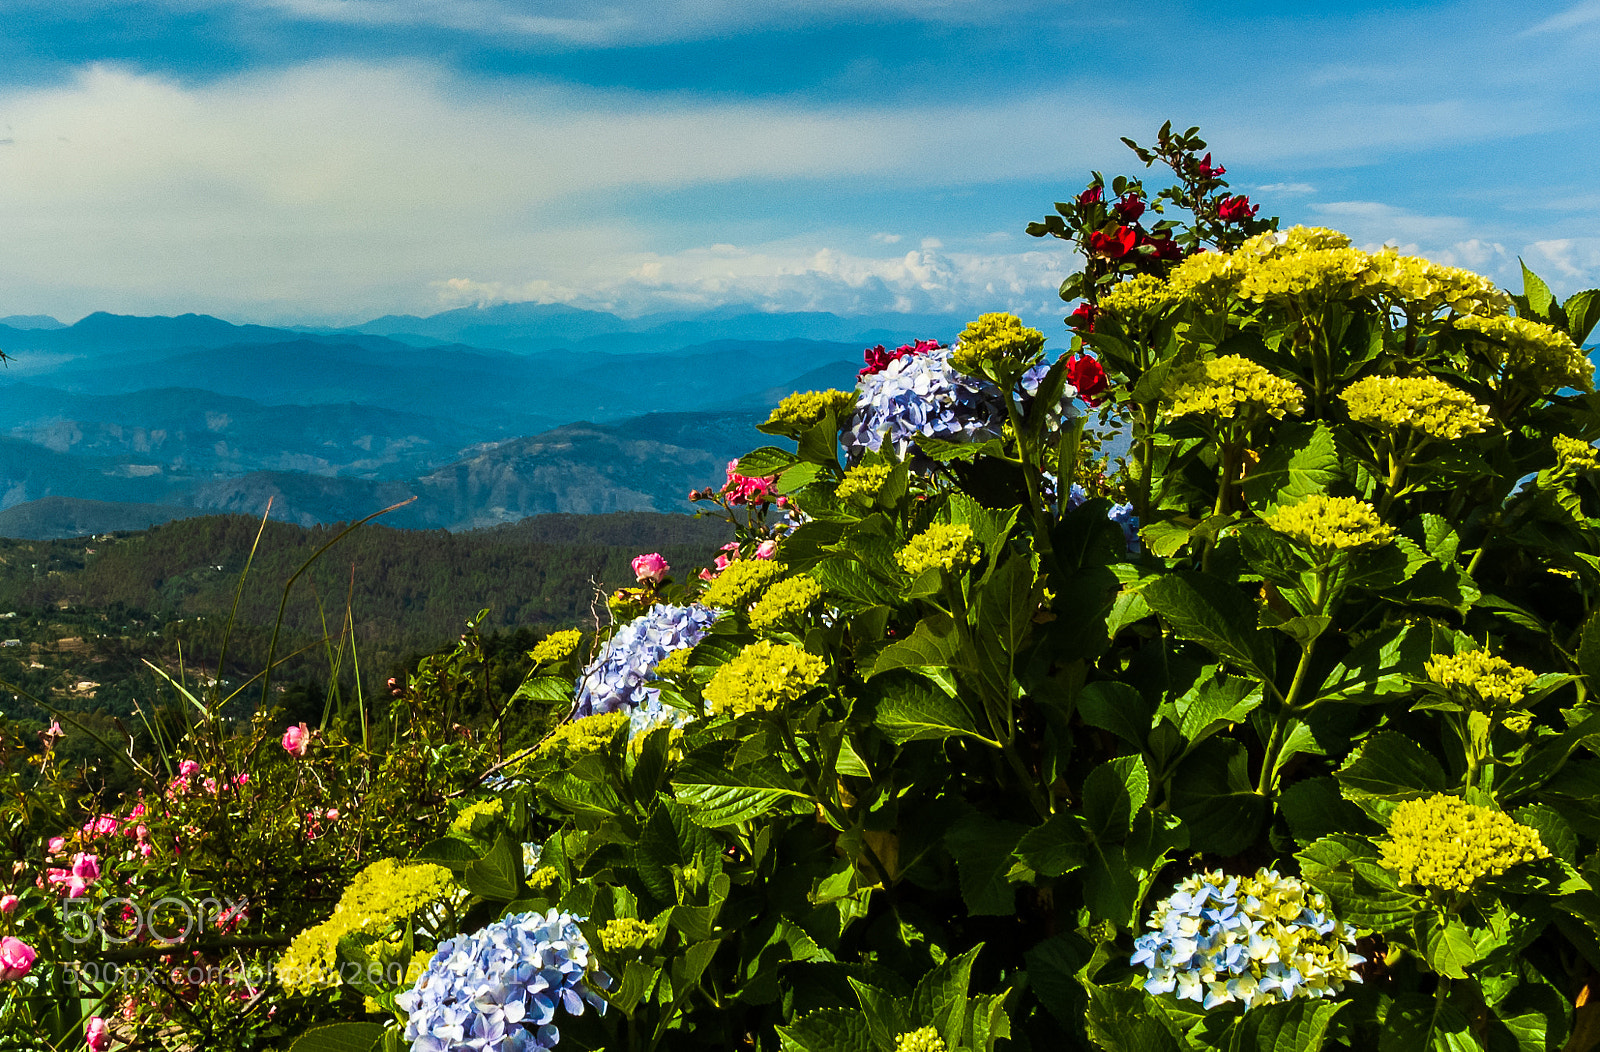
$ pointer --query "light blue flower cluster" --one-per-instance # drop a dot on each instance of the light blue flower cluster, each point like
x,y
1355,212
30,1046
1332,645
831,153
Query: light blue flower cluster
x,y
617,680
1254,940
498,989
922,396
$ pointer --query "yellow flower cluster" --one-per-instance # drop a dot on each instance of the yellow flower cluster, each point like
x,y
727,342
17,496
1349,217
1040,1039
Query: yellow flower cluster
x,y
1424,287
1494,680
1201,273
1340,523
1574,454
785,601
1229,386
992,339
544,878
1295,239
804,409
1444,842
862,482
387,891
676,663
585,735
1537,354
627,935
556,646
763,676
1132,300
742,581
1424,403
1321,273
948,546
483,810
925,1040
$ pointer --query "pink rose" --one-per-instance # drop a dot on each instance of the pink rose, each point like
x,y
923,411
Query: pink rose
x,y
97,1034
8,904
86,866
765,549
187,767
16,959
651,568
296,739
57,845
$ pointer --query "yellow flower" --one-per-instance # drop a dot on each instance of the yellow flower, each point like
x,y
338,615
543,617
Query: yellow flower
x,y
544,878
1225,386
1131,300
1424,287
763,676
992,339
804,409
742,581
1321,273
1201,274
1539,355
1295,239
1494,680
949,546
676,663
786,600
1446,843
1339,523
387,891
1574,454
925,1040
1424,403
584,735
626,935
488,810
556,646
862,482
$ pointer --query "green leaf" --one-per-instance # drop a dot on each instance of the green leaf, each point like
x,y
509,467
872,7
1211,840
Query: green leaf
x,y
1302,459
1554,831
1314,809
1304,630
1055,848
1112,794
1446,945
339,1037
1110,887
768,460
1052,969
1214,796
713,804
798,476
1120,1019
1389,768
827,1030
982,847
1364,896
1379,665
844,577
1004,610
1422,1023
1589,652
1213,613
496,876
915,710
1294,1026
940,999
1583,311
1537,293
451,852
1114,706
933,642
887,1016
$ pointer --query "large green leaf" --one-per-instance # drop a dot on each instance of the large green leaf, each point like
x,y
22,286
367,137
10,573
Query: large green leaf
x,y
1293,1026
1214,796
1004,609
714,797
339,1037
1389,768
1446,945
1345,869
827,1030
1583,311
1116,707
1121,1019
768,460
1052,973
1301,460
1112,794
1378,665
1589,652
1214,613
1055,848
1423,1023
915,710
934,642
498,875
940,999
982,847
1536,292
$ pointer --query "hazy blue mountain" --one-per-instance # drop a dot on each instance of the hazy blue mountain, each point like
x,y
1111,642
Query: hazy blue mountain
x,y
52,518
32,321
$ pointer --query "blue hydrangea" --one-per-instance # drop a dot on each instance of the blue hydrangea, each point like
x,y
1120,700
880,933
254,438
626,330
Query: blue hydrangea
x,y
922,396
618,679
498,989
1254,940
1066,406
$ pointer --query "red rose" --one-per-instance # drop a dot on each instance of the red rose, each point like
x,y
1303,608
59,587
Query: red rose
x,y
1087,375
1130,208
1236,209
1208,172
1082,319
1113,246
1164,247
1089,197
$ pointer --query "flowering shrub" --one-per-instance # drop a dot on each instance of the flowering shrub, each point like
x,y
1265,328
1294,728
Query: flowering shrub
x,y
903,768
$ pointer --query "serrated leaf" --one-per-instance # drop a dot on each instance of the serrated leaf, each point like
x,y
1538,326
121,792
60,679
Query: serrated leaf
x,y
1389,768
1446,945
1112,794
1364,898
982,847
1215,614
1583,311
1055,848
940,997
1214,796
917,711
826,1030
1379,665
1294,1026
1302,459
765,461
1589,652
1119,1019
1537,293
933,642
339,1037
496,876
1116,707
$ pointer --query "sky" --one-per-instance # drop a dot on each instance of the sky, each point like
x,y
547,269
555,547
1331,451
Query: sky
x,y
329,161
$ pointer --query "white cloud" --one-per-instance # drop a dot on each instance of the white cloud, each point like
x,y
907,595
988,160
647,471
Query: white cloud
x,y
1587,13
1287,188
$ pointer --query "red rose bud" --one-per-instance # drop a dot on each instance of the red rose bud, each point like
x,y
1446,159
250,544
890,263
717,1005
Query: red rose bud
x,y
1236,209
1130,208
1113,246
1088,376
1082,319
1208,172
1091,196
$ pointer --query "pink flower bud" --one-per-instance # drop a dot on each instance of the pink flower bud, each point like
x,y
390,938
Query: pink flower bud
x,y
187,768
86,866
8,904
16,959
97,1034
765,549
57,845
296,739
650,568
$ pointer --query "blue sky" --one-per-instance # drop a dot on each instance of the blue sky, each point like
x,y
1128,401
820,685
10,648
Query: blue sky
x,y
326,161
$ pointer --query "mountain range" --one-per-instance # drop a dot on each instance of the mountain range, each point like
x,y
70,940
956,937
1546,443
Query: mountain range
x,y
485,414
